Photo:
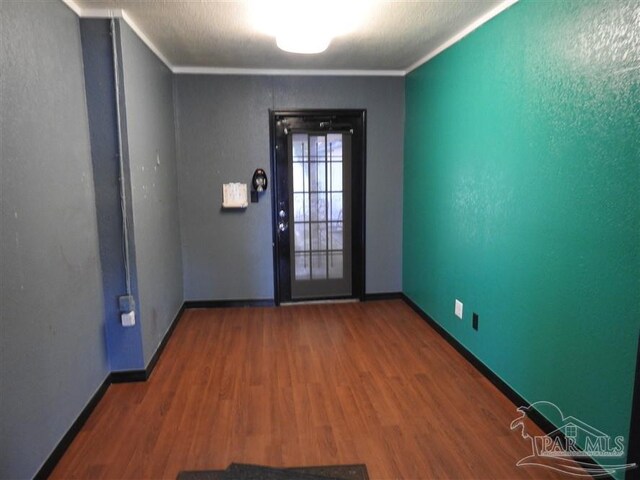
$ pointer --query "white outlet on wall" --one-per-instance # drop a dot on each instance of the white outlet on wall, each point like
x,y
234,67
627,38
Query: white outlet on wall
x,y
458,308
128,319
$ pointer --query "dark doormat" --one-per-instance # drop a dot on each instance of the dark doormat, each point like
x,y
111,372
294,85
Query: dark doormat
x,y
239,471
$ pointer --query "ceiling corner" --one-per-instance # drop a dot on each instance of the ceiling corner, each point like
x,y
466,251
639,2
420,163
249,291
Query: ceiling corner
x,y
119,13
147,41
73,6
501,7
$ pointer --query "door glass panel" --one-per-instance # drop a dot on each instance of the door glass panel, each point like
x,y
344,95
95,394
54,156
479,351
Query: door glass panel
x,y
318,174
300,210
335,264
317,151
335,145
318,236
318,206
335,207
302,266
301,177
335,236
335,177
317,203
318,266
300,147
301,236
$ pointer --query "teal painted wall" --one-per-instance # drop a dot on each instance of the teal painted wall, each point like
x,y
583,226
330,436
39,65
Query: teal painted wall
x,y
522,199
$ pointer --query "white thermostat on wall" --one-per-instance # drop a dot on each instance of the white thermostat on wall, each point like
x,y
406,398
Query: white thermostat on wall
x,y
234,195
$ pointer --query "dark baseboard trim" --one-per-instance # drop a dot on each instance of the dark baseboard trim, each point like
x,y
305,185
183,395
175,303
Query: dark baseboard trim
x,y
633,447
519,401
114,377
229,303
511,394
368,297
53,459
163,343
127,376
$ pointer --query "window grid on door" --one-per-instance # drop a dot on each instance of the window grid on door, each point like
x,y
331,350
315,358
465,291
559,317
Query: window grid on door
x,y
317,206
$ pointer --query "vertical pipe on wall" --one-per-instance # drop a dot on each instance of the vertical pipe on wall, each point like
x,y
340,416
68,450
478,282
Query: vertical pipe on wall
x,y
123,199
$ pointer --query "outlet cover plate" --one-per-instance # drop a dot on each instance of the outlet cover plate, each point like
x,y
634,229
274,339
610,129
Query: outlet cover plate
x,y
128,319
458,308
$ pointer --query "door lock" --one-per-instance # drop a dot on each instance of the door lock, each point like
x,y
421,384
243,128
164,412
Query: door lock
x,y
282,226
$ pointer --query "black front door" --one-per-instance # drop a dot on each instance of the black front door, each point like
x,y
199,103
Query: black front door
x,y
318,167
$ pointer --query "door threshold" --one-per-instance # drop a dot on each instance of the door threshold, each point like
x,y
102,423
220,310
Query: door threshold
x,y
320,302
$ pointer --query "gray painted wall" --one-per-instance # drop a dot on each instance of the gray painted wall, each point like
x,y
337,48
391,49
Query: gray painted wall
x,y
150,138
223,136
52,351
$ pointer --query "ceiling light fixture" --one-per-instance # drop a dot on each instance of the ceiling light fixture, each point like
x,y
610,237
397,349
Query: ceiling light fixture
x,y
301,42
306,26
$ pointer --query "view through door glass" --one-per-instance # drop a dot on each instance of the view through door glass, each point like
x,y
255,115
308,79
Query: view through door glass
x,y
320,220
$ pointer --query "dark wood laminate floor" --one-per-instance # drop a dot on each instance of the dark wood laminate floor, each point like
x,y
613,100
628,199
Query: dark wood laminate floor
x,y
305,385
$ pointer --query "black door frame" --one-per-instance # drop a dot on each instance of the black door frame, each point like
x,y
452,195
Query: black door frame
x,y
281,282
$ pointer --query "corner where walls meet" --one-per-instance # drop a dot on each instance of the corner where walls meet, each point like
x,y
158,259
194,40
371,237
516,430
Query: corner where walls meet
x,y
146,138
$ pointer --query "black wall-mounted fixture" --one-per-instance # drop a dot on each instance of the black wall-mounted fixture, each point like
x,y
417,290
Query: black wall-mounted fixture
x,y
259,183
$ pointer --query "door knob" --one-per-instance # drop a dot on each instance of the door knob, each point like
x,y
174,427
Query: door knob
x,y
282,214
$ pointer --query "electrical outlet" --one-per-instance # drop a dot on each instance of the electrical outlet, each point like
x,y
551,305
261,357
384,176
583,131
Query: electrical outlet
x,y
475,321
128,319
458,308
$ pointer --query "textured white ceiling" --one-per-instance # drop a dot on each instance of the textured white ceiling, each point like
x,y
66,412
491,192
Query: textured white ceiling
x,y
219,34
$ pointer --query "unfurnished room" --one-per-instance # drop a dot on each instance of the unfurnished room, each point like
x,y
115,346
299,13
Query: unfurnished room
x,y
298,240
